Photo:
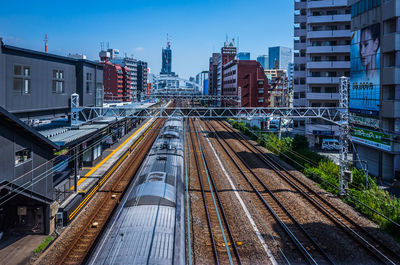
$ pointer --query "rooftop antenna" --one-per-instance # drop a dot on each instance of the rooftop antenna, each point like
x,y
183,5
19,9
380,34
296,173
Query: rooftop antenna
x,y
108,45
45,43
168,42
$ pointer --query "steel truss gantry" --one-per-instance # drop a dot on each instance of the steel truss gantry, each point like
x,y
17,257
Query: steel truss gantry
x,y
189,96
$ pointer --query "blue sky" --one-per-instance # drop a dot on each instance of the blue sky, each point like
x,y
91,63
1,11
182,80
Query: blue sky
x,y
197,27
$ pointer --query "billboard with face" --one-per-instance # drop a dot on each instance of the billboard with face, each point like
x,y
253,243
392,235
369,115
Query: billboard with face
x,y
365,70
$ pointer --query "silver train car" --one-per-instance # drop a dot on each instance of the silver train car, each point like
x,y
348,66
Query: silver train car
x,y
148,226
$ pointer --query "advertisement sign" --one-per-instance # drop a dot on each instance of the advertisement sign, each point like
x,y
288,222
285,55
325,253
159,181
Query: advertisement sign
x,y
375,139
365,70
364,121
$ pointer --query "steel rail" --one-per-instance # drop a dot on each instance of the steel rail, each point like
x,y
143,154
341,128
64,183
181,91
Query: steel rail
x,y
376,248
234,246
287,230
214,247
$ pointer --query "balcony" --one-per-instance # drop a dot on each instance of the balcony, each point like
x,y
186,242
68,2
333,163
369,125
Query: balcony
x,y
329,49
329,65
300,19
322,80
322,96
391,109
328,34
299,32
391,75
329,19
390,9
391,42
300,46
300,60
300,5
300,88
327,3
300,74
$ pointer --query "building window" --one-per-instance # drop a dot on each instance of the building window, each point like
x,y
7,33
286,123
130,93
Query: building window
x,y
58,82
22,79
87,87
23,156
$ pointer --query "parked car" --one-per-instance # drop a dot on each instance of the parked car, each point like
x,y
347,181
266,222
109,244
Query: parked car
x,y
330,144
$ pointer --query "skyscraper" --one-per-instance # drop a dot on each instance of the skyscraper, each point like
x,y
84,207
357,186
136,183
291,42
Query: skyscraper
x,y
243,56
166,59
263,60
279,57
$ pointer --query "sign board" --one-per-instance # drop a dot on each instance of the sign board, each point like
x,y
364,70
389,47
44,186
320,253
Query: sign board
x,y
21,210
364,94
379,140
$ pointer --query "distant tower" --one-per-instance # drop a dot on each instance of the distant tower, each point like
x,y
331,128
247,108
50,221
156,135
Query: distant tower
x,y
166,58
45,43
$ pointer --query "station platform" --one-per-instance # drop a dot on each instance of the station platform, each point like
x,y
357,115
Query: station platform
x,y
92,178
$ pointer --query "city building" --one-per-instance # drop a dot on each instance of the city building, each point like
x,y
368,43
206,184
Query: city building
x,y
374,98
264,61
36,85
201,80
142,78
272,74
322,55
212,74
290,75
245,79
117,83
166,59
131,63
243,56
228,53
279,57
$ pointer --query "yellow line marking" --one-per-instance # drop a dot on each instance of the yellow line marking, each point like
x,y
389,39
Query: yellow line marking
x,y
108,157
120,160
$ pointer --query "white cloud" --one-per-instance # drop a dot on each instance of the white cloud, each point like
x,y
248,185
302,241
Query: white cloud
x,y
139,49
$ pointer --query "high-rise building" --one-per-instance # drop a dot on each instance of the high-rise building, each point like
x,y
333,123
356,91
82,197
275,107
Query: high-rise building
x,y
374,98
228,53
243,56
321,57
166,59
263,60
201,81
117,82
279,57
142,78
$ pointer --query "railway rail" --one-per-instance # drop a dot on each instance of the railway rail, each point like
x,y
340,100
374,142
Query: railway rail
x,y
306,246
112,192
216,216
372,245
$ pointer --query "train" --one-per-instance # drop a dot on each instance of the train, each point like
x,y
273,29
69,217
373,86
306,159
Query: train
x,y
148,226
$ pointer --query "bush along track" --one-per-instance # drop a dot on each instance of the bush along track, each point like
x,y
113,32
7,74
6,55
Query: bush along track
x,y
378,205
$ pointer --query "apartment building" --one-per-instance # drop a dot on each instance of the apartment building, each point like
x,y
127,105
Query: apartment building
x,y
322,56
374,101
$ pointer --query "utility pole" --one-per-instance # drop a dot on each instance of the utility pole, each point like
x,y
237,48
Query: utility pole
x,y
344,131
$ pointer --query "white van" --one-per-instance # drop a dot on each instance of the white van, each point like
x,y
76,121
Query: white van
x,y
330,144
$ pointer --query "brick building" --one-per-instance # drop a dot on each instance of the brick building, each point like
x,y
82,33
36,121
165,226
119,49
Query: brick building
x,y
117,82
245,79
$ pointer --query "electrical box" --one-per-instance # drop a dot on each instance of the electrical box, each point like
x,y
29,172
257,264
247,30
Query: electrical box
x,y
348,176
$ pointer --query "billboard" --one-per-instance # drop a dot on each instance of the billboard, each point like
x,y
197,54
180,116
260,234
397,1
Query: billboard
x,y
365,70
375,139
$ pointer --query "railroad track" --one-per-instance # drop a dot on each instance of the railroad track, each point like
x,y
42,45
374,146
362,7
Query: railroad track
x,y
300,240
363,238
221,236
111,193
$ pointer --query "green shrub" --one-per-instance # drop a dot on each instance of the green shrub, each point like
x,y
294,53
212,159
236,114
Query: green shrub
x,y
43,245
